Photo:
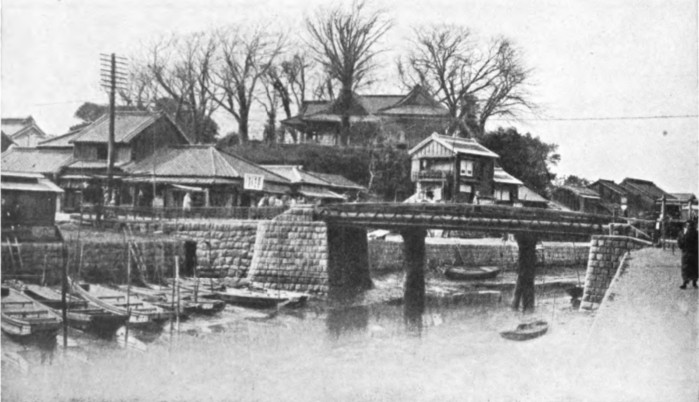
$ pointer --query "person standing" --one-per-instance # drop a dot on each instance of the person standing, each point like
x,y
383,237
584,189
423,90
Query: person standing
x,y
187,202
687,241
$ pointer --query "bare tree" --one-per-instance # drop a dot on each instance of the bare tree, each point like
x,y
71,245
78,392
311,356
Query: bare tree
x,y
181,68
246,57
474,82
344,43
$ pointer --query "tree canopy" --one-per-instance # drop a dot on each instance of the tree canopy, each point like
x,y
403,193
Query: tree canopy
x,y
524,156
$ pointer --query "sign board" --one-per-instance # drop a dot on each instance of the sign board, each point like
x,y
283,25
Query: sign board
x,y
253,182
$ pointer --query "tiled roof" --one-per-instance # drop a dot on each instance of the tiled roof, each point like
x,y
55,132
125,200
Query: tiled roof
x,y
338,181
582,191
524,193
36,160
11,125
459,145
684,197
197,161
17,181
612,186
127,125
295,174
501,176
61,141
644,187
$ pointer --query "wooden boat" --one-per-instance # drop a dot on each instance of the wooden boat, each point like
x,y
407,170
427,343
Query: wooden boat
x,y
261,298
141,313
24,318
471,273
162,296
526,331
82,314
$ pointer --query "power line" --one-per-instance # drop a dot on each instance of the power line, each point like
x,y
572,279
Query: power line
x,y
678,116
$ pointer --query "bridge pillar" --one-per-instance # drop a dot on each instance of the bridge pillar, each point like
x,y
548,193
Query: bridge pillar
x,y
348,258
526,271
414,287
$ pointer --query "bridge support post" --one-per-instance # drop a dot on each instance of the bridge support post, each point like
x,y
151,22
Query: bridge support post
x,y
348,258
526,271
414,287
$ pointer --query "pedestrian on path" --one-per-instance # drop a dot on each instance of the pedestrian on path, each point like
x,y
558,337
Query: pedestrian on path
x,y
687,241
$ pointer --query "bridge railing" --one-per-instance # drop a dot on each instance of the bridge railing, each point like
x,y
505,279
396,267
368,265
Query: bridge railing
x,y
127,213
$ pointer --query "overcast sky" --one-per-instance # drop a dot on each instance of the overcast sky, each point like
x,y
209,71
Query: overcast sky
x,y
591,59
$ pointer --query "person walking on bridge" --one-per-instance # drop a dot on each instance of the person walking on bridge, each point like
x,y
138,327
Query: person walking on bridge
x,y
687,241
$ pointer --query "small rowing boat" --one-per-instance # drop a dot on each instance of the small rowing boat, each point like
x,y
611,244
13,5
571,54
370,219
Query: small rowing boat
x,y
471,273
162,296
82,314
526,331
260,297
24,318
141,313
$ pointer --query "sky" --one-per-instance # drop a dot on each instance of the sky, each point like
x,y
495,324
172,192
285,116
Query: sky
x,y
611,77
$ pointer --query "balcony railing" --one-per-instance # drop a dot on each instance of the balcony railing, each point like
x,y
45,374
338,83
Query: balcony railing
x,y
429,175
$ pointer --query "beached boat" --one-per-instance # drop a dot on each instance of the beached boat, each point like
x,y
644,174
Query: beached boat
x,y
261,298
141,313
162,296
82,314
526,331
471,273
25,318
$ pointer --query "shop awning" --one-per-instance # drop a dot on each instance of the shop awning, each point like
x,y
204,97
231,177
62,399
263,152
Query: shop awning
x,y
189,188
41,185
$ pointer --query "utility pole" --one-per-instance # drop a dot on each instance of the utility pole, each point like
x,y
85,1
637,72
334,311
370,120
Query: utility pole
x,y
112,79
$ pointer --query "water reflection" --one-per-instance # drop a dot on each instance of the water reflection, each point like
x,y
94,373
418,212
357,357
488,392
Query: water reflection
x,y
342,320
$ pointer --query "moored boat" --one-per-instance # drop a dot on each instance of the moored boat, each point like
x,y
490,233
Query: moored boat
x,y
471,273
81,314
526,331
162,296
261,298
140,312
25,318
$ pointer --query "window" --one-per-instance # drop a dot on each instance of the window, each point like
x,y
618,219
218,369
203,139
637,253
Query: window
x,y
102,152
467,168
502,195
465,188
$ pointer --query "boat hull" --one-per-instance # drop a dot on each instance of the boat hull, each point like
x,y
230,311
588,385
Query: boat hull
x,y
469,274
526,331
23,317
261,298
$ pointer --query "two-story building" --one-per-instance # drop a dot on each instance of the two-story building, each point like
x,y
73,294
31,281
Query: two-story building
x,y
454,169
22,131
401,119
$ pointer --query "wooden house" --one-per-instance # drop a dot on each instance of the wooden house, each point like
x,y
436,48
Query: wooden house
x,y
401,119
454,169
28,206
581,199
22,131
644,198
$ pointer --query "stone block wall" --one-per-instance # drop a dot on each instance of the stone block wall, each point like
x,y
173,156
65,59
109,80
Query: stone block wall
x,y
291,253
388,255
222,248
93,261
606,253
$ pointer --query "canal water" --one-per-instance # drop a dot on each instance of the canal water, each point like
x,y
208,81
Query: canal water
x,y
328,350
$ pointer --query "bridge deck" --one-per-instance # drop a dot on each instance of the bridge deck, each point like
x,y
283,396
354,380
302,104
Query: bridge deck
x,y
495,218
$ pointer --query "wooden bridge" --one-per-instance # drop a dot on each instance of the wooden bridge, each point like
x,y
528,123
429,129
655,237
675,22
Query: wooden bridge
x,y
348,248
495,218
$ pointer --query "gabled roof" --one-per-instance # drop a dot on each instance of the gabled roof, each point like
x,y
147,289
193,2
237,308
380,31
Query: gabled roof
x,y
645,188
295,174
501,176
36,160
6,141
16,126
338,181
583,192
524,193
197,161
127,125
457,145
364,108
611,185
61,141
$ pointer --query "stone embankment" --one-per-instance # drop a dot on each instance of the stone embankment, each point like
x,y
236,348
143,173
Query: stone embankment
x,y
606,253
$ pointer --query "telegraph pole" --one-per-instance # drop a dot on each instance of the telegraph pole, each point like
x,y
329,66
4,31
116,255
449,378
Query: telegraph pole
x,y
112,79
